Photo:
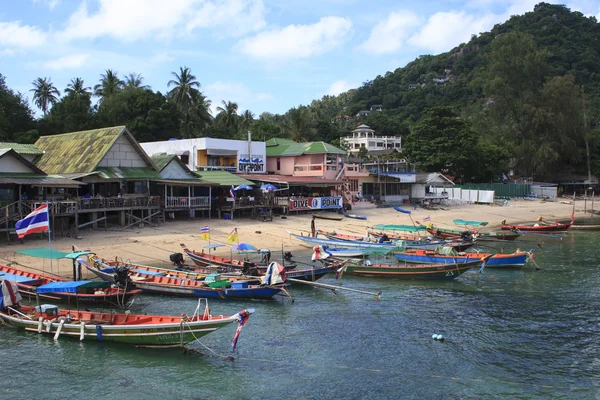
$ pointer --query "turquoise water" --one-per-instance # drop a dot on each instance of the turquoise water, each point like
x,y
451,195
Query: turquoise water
x,y
510,333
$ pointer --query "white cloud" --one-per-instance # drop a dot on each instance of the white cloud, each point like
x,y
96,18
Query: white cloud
x,y
240,16
389,35
338,87
15,35
233,91
298,41
67,62
133,20
444,30
49,3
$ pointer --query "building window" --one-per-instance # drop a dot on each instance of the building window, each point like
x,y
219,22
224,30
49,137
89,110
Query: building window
x,y
278,163
371,144
185,158
356,145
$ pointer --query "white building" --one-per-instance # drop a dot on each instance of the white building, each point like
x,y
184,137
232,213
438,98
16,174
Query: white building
x,y
204,154
364,136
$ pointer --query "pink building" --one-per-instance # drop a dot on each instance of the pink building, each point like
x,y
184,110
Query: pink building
x,y
315,159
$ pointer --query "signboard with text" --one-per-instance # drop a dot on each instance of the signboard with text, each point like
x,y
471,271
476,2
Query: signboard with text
x,y
315,203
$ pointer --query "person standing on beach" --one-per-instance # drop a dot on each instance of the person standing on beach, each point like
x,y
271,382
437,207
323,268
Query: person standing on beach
x,y
313,230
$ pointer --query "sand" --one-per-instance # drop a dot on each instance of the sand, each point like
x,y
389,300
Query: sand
x,y
153,245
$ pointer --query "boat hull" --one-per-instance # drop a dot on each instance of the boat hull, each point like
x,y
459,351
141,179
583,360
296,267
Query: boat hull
x,y
413,271
495,261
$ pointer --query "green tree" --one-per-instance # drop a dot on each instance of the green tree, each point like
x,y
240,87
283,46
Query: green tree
x,y
297,124
77,87
109,85
246,122
71,114
194,107
16,116
45,93
135,81
227,115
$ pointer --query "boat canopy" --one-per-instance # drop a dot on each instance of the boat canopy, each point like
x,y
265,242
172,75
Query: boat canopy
x,y
70,287
471,223
405,228
75,255
18,278
402,210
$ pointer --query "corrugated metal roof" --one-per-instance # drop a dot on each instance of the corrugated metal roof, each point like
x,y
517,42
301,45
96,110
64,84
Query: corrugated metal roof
x,y
222,178
290,148
128,173
21,148
22,160
77,151
162,160
45,181
277,141
294,180
187,182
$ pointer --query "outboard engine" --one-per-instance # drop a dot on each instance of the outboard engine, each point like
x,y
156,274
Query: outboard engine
x,y
121,276
176,259
249,268
287,256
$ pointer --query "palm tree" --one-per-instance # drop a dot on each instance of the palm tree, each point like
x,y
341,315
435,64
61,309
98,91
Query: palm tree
x,y
135,81
44,93
185,88
298,124
109,84
246,123
228,114
76,87
198,117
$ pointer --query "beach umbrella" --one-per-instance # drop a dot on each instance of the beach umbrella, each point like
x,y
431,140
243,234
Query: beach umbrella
x,y
243,247
268,188
243,187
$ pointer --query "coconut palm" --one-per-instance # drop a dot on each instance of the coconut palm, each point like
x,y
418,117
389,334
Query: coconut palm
x,y
76,87
135,81
228,114
44,93
298,124
198,117
185,87
246,122
109,84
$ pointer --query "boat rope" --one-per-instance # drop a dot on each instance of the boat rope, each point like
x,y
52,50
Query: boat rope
x,y
189,349
424,376
530,258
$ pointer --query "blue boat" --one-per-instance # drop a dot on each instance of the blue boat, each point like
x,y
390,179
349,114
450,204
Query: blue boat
x,y
355,216
402,210
514,260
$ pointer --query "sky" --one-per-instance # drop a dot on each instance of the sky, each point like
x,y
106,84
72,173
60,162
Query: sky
x,y
265,55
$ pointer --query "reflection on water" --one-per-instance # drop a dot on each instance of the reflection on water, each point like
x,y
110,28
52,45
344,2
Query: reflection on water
x,y
510,333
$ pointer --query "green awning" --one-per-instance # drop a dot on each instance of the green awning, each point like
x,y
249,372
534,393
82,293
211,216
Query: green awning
x,y
43,252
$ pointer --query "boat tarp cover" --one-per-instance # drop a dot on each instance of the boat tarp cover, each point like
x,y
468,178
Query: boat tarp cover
x,y
471,223
76,255
405,228
16,278
70,287
402,210
146,272
43,252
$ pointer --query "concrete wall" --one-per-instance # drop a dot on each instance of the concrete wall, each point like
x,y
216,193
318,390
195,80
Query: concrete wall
x,y
122,154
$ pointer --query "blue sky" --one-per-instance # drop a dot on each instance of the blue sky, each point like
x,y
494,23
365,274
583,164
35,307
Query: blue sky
x,y
266,55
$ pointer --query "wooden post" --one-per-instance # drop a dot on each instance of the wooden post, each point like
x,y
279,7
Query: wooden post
x,y
592,211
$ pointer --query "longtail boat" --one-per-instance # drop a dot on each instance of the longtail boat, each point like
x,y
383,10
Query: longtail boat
x,y
515,260
413,271
71,292
541,227
448,233
331,217
135,329
355,216
203,259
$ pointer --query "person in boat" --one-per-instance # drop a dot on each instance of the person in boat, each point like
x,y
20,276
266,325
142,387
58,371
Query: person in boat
x,y
384,238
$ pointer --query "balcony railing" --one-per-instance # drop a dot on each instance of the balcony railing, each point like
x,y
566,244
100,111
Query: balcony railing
x,y
215,168
187,202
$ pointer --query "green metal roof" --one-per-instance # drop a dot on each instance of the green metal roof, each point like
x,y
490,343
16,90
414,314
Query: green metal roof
x,y
128,173
81,152
20,148
222,178
285,147
162,160
277,141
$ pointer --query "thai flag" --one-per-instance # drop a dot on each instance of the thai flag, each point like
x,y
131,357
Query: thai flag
x,y
427,218
232,192
35,222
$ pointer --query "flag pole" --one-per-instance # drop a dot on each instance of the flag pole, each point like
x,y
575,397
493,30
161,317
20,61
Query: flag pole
x,y
49,237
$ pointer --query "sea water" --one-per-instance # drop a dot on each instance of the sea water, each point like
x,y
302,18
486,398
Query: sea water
x,y
508,333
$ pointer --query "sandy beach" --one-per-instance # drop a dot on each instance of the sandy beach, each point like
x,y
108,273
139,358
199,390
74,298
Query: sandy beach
x,y
153,245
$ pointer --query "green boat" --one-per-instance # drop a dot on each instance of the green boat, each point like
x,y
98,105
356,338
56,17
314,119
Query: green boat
x,y
215,281
414,271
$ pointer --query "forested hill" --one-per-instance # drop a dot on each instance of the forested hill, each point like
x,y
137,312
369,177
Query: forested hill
x,y
459,77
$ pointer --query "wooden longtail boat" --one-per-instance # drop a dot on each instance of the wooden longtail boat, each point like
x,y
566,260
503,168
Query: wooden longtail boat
x,y
516,260
145,330
447,233
331,217
73,291
204,259
413,271
541,227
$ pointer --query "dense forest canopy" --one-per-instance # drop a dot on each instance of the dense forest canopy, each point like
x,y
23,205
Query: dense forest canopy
x,y
527,95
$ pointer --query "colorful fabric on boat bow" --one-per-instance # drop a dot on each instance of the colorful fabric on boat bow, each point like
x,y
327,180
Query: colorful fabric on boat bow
x,y
242,318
